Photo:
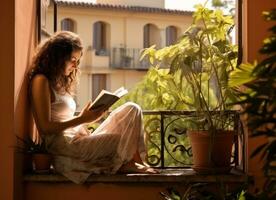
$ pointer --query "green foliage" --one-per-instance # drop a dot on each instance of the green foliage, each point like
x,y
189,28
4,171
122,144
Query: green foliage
x,y
258,98
27,145
201,191
218,3
199,65
160,90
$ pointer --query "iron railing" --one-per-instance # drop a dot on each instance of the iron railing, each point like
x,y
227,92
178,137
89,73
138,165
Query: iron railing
x,y
127,58
168,145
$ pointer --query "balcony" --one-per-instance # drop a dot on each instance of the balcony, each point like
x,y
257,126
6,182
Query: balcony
x,y
127,58
170,154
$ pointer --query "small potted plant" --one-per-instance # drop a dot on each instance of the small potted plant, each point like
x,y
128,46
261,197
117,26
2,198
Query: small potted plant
x,y
41,158
201,61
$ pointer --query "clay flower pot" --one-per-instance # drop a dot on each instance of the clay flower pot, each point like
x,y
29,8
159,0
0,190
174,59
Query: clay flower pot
x,y
42,161
211,155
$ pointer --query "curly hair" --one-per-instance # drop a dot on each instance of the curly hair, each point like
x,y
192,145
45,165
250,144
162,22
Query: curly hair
x,y
50,60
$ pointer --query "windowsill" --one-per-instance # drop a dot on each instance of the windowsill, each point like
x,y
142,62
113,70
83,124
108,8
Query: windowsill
x,y
166,176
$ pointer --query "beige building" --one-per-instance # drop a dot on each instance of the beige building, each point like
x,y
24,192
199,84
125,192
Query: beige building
x,y
113,33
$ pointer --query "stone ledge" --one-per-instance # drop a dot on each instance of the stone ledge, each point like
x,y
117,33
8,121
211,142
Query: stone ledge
x,y
165,176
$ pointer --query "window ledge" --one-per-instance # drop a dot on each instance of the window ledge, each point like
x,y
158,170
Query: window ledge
x,y
165,176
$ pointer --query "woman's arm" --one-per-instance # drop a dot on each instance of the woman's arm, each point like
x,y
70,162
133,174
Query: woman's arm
x,y
41,102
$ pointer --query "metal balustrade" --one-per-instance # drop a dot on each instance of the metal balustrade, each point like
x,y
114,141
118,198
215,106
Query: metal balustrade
x,y
127,58
168,145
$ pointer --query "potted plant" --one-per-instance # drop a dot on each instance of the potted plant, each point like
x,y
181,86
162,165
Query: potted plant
x,y
202,61
41,159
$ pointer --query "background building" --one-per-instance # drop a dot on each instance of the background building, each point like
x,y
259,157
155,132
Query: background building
x,y
114,32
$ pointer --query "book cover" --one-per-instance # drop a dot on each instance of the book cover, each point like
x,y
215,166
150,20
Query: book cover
x,y
106,99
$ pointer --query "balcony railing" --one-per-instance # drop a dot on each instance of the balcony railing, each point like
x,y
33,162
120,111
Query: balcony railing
x,y
168,145
127,58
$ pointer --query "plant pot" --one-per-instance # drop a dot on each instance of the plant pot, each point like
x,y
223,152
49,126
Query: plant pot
x,y
27,163
211,156
41,162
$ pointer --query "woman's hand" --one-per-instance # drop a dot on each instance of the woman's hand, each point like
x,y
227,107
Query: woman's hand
x,y
88,115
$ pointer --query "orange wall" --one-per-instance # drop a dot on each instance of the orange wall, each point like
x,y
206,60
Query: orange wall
x,y
70,191
255,28
254,31
17,43
7,98
25,34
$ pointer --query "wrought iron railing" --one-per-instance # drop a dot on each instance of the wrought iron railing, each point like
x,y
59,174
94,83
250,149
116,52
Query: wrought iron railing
x,y
127,58
168,145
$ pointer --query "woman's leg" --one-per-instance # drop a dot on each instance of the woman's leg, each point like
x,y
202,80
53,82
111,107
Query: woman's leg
x,y
126,121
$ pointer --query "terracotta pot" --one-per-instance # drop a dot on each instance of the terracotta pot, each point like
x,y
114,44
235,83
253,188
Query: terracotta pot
x,y
211,157
27,163
41,162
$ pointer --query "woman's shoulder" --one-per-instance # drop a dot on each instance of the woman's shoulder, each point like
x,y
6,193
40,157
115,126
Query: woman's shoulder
x,y
40,80
41,83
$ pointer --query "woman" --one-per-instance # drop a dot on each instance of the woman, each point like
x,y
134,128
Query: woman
x,y
115,146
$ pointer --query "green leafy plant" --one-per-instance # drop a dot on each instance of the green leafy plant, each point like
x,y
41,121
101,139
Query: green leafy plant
x,y
203,191
201,61
28,146
258,98
192,74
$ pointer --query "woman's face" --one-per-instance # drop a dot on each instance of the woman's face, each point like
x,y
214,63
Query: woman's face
x,y
73,63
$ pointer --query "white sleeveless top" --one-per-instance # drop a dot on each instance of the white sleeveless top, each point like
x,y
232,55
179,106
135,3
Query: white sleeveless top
x,y
64,108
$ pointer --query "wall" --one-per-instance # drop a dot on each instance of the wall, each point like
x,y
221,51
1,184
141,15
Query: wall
x,y
7,99
254,31
126,27
123,191
24,47
17,42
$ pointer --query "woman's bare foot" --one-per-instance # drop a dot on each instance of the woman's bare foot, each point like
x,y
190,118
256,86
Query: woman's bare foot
x,y
133,167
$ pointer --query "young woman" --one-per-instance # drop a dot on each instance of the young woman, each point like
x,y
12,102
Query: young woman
x,y
116,145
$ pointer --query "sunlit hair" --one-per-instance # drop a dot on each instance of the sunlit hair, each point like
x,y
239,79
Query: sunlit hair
x,y
51,57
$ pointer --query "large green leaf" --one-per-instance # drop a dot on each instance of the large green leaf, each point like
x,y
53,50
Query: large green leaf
x,y
241,75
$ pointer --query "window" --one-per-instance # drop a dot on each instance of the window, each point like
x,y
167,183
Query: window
x,y
171,35
151,36
100,38
98,84
67,25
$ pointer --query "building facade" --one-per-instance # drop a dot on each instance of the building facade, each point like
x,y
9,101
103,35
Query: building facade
x,y
114,32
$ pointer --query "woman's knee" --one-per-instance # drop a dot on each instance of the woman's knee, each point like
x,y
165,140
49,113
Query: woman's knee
x,y
132,106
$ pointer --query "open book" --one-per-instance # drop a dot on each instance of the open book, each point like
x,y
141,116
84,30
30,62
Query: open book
x,y
106,99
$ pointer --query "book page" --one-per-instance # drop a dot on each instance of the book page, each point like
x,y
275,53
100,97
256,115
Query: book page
x,y
120,92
